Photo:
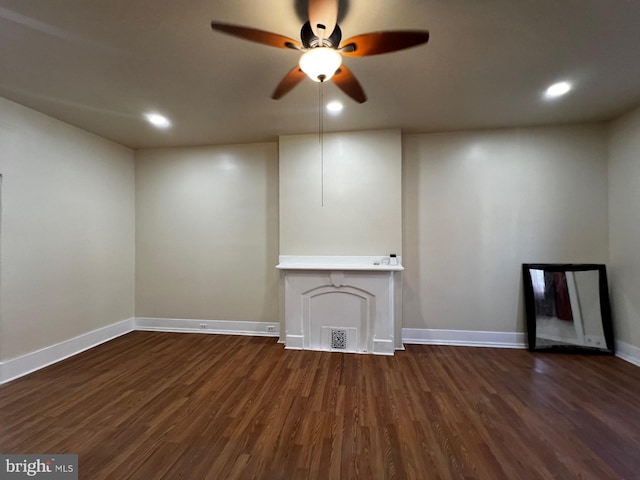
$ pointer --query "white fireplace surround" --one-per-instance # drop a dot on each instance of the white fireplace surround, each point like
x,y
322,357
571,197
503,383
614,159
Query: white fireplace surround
x,y
342,303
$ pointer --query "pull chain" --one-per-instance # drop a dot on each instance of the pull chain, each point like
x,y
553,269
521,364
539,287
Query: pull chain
x,y
321,139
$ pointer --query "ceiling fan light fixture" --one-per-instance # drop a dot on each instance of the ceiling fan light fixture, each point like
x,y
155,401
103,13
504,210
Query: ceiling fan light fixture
x,y
320,63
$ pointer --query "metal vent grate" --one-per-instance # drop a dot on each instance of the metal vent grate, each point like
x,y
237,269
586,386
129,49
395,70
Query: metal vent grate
x,y
338,339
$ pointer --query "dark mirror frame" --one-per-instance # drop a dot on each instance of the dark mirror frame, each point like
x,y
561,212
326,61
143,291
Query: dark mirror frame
x,y
605,306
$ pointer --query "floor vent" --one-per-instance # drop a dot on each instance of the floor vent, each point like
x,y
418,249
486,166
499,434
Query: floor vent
x,y
338,339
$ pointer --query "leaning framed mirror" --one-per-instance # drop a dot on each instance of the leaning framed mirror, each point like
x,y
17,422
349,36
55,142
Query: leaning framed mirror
x,y
567,307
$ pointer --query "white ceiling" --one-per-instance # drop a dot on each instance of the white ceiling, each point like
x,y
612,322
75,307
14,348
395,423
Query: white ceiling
x,y
101,64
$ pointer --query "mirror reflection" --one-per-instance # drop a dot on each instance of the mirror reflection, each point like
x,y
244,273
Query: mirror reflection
x,y
564,307
567,308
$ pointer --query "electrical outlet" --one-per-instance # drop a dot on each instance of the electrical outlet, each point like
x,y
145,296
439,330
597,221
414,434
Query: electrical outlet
x,y
271,328
203,326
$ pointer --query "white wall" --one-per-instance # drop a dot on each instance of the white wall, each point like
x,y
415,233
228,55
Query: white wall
x,y
67,231
475,206
479,204
624,222
207,233
362,210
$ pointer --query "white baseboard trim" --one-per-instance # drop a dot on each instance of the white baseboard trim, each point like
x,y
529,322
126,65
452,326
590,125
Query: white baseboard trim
x,y
628,352
30,362
224,327
25,364
463,338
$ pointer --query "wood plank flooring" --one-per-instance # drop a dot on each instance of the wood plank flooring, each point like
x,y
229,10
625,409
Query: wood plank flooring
x,y
188,406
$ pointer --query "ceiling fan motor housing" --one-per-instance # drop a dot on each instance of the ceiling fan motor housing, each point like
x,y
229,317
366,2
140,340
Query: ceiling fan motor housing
x,y
310,40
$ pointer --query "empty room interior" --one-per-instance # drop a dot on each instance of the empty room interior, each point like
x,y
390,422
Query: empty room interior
x,y
224,256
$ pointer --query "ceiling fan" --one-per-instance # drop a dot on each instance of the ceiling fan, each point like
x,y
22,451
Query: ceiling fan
x,y
321,42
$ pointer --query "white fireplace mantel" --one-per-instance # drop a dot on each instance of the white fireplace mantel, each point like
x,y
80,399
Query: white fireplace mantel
x,y
319,262
342,303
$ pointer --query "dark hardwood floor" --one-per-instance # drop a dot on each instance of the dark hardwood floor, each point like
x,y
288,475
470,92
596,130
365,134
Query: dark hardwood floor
x,y
188,406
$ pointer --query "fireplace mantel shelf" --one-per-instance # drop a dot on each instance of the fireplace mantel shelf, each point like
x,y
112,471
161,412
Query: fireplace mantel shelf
x,y
351,263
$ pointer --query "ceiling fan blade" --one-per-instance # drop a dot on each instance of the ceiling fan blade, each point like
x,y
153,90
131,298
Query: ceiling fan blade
x,y
255,35
376,43
290,80
348,83
324,13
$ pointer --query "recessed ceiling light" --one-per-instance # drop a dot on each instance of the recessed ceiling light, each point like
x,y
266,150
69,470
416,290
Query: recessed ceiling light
x,y
157,120
334,107
557,90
